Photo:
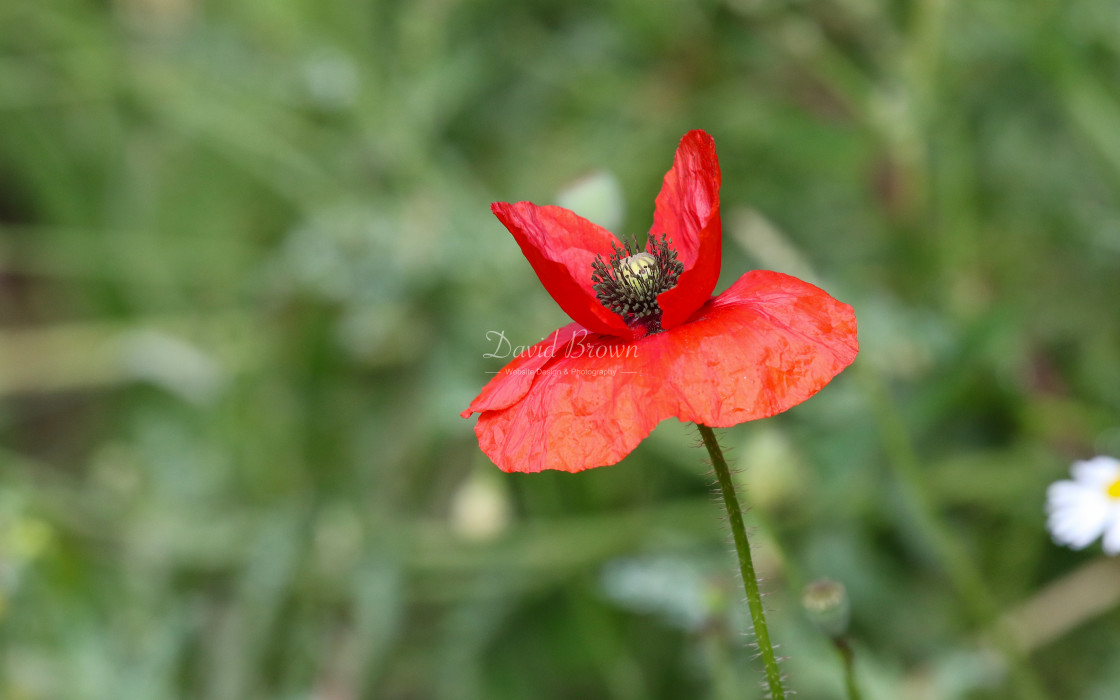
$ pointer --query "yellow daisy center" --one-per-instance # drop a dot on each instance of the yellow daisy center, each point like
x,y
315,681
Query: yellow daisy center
x,y
1113,490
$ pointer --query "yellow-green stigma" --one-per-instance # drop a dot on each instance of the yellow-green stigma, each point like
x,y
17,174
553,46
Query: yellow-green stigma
x,y
629,283
638,269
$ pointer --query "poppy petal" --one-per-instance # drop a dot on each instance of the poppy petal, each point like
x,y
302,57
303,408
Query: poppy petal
x,y
687,211
578,414
513,381
765,345
561,245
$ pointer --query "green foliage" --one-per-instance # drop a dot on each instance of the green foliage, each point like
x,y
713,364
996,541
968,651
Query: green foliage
x,y
247,269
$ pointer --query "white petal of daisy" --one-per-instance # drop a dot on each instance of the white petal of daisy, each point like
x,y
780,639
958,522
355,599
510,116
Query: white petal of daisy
x,y
1111,539
1098,471
1080,520
1066,494
1088,507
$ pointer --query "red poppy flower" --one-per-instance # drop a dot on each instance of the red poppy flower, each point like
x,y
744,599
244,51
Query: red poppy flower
x,y
649,342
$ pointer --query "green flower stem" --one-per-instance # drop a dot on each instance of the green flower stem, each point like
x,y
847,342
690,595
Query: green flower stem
x,y
848,657
746,565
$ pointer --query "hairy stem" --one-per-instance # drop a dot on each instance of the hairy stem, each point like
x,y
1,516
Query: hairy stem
x,y
746,565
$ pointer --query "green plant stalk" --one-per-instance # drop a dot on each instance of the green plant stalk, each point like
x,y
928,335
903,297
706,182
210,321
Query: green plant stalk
x,y
848,657
746,565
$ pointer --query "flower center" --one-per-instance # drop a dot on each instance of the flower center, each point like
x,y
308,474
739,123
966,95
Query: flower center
x,y
1113,490
628,283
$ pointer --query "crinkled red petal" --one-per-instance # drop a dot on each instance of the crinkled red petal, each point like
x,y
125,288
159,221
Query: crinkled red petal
x,y
561,245
687,209
508,386
766,344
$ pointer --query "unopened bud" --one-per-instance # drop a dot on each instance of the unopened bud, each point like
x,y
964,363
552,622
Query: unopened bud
x,y
826,601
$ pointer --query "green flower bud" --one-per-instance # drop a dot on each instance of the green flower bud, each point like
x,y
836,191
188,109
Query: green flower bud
x,y
826,601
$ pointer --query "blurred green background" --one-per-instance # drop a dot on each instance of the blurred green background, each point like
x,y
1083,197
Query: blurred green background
x,y
247,267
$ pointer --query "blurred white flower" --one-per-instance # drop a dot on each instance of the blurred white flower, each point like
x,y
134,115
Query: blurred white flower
x,y
480,508
1087,507
173,363
597,197
672,587
332,79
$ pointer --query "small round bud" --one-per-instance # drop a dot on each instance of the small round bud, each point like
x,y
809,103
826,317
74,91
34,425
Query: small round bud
x,y
826,601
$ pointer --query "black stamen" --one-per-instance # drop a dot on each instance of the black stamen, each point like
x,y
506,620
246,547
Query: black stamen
x,y
629,283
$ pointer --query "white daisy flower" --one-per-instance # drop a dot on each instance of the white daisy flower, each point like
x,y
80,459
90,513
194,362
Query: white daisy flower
x,y
1087,507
